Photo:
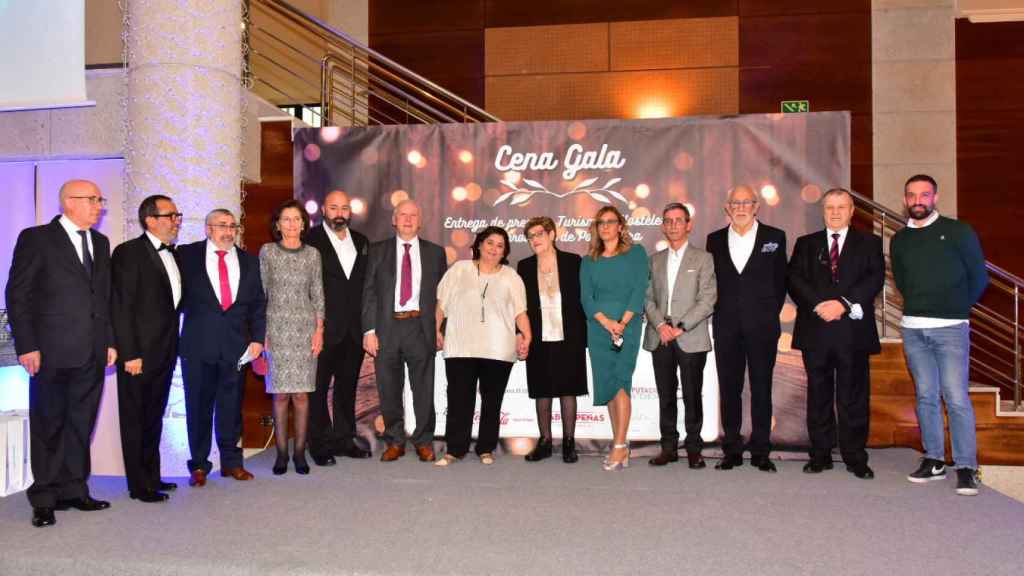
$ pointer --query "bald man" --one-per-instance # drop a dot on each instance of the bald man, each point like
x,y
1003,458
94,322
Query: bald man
x,y
343,257
750,269
58,302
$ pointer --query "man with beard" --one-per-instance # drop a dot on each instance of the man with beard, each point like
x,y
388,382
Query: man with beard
x,y
343,256
940,271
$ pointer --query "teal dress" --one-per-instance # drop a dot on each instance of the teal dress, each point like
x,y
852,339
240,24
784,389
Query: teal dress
x,y
612,286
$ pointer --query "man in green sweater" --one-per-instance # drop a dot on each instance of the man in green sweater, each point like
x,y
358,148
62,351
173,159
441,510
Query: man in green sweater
x,y
940,271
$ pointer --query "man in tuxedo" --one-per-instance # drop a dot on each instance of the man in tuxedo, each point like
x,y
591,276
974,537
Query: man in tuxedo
x,y
343,256
146,294
399,299
58,303
750,267
680,298
225,324
834,276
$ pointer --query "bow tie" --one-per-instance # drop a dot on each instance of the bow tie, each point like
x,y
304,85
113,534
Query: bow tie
x,y
168,247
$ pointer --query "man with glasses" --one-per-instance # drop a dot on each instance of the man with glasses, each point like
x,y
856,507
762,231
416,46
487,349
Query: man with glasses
x,y
225,325
939,269
680,298
750,267
58,301
146,294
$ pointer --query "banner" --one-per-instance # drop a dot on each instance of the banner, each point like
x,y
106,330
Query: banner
x,y
468,176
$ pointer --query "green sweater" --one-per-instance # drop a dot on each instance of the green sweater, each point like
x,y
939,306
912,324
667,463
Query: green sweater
x,y
939,269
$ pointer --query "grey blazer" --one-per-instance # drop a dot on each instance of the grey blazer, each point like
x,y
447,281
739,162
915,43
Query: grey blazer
x,y
380,284
693,299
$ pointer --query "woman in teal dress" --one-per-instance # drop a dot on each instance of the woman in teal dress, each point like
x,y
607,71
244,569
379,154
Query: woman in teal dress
x,y
613,283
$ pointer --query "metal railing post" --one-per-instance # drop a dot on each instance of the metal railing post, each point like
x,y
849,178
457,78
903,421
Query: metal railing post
x,y
885,290
1016,347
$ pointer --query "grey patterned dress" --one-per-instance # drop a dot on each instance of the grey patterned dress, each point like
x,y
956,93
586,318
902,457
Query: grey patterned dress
x,y
295,300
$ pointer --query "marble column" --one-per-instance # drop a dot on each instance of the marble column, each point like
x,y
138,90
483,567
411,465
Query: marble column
x,y
184,105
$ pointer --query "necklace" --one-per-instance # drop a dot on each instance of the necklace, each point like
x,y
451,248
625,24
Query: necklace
x,y
483,293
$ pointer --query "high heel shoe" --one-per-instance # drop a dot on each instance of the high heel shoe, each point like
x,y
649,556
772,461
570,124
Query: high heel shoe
x,y
541,451
610,465
301,466
569,454
281,464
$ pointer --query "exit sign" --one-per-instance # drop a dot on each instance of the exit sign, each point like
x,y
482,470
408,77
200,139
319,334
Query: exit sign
x,y
789,106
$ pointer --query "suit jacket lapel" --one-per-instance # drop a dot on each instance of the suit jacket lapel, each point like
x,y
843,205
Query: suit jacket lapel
x,y
847,254
67,250
389,267
154,257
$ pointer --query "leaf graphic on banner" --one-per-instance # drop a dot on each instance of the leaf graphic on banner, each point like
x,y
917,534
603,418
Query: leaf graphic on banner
x,y
503,197
600,197
584,184
613,182
520,198
618,196
534,183
511,185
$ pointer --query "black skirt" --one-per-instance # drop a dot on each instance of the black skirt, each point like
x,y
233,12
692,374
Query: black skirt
x,y
555,369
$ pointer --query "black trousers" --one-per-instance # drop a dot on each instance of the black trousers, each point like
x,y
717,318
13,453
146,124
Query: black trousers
x,y
340,361
463,375
62,412
406,348
670,360
213,387
838,381
141,402
735,351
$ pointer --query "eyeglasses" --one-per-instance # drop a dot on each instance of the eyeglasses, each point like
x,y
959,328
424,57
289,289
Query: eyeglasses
x,y
675,221
537,234
170,215
608,222
231,227
94,200
742,203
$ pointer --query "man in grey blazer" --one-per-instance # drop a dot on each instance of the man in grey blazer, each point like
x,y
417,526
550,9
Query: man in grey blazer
x,y
680,298
399,299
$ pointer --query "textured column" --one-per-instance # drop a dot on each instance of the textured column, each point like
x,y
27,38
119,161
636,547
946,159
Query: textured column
x,y
184,107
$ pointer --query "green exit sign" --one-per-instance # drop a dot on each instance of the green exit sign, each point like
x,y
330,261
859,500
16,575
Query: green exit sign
x,y
790,106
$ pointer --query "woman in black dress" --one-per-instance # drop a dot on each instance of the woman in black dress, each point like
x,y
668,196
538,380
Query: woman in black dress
x,y
556,365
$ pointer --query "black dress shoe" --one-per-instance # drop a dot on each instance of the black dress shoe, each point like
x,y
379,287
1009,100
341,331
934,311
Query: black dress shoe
x,y
813,467
664,457
43,517
861,471
301,467
695,461
166,486
352,451
327,460
569,455
728,462
541,451
85,504
149,497
763,463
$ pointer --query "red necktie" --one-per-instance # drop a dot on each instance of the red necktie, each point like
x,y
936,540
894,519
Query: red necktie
x,y
225,284
833,256
405,286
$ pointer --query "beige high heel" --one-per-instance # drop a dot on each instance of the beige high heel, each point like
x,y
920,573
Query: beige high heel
x,y
610,466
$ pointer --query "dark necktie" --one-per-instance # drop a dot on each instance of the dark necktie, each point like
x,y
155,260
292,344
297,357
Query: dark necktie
x,y
833,256
225,282
86,255
405,282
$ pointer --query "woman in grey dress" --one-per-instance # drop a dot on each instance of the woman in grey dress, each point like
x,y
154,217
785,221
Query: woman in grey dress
x,y
295,324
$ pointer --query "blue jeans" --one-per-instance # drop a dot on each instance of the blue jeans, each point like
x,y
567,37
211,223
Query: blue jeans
x,y
938,359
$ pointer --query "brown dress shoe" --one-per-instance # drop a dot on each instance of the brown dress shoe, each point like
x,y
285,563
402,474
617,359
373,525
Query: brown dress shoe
x,y
426,453
394,452
696,461
664,458
197,479
237,473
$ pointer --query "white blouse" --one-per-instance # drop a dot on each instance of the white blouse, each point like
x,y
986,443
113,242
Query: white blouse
x,y
481,311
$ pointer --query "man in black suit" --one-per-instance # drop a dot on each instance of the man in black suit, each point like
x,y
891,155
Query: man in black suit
x,y
58,303
225,324
399,299
834,276
146,294
343,256
750,268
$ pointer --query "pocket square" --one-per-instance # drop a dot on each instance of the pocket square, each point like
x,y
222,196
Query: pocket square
x,y
769,247
692,270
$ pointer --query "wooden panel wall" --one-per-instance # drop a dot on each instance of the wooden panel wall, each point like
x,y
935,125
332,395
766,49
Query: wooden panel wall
x,y
989,142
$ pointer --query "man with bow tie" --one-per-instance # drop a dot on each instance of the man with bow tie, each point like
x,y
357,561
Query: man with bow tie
x,y
750,268
146,286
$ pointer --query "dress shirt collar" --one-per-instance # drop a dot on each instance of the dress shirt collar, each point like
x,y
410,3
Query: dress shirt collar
x,y
71,228
752,233
927,221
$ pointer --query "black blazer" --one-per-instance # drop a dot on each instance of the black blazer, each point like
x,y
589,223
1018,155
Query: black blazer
x,y
574,321
381,283
52,303
144,316
750,301
209,333
343,295
861,274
